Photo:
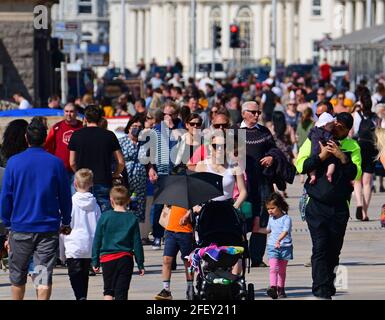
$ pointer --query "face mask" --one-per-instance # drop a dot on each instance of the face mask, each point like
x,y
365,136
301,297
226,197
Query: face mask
x,y
135,132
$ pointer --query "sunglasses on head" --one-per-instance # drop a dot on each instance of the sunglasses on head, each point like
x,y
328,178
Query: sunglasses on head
x,y
221,125
219,146
195,124
254,112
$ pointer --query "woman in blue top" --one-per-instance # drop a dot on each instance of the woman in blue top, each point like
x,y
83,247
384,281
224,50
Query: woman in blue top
x,y
279,245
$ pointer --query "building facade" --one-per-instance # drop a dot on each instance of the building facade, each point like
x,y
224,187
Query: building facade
x,y
26,52
161,29
93,14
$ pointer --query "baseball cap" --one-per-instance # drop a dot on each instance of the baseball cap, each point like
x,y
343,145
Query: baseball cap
x,y
324,119
346,118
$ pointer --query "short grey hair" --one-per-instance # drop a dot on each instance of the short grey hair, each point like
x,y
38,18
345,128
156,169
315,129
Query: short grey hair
x,y
247,103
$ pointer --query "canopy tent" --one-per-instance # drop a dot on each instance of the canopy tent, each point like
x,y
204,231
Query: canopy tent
x,y
365,51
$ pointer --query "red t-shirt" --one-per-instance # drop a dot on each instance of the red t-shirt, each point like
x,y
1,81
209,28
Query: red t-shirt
x,y
325,72
58,138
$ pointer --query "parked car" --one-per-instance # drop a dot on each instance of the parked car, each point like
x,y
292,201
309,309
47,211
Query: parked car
x,y
261,73
303,70
206,68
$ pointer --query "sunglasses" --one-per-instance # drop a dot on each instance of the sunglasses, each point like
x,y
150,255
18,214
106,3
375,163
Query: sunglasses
x,y
195,124
149,118
221,125
254,112
341,98
168,114
219,146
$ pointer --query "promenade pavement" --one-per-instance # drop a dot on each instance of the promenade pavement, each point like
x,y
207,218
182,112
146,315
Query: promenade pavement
x,y
362,258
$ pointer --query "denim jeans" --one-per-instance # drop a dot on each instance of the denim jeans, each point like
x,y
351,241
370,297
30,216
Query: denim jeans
x,y
102,195
71,177
157,229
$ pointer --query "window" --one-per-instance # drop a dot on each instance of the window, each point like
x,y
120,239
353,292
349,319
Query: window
x,y
316,8
85,6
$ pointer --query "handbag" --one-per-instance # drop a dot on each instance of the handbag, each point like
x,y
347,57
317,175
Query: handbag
x,y
165,216
246,209
302,204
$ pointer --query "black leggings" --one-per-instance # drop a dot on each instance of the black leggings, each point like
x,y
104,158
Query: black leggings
x,y
117,277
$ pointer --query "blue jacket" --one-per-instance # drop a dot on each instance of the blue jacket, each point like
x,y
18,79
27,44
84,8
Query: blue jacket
x,y
35,195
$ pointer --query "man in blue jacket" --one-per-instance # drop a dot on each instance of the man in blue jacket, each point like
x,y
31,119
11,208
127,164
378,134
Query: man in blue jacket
x,y
35,205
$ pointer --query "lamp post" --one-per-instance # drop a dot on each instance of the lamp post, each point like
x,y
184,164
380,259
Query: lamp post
x,y
123,37
193,37
274,37
368,13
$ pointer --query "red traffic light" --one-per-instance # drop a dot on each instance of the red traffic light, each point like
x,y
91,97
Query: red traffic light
x,y
234,28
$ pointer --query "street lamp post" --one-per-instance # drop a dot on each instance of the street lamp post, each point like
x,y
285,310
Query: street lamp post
x,y
368,13
123,37
193,38
274,37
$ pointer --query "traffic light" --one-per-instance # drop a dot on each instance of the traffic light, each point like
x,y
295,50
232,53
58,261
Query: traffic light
x,y
234,36
217,36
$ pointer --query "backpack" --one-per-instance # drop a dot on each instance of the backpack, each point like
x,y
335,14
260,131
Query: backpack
x,y
366,128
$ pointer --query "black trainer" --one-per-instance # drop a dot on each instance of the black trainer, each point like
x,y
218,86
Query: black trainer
x,y
272,292
281,293
359,213
164,295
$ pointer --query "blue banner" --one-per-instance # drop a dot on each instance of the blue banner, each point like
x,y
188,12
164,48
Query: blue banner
x,y
44,112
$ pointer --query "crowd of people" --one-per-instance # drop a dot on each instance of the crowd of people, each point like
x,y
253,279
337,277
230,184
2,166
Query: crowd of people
x,y
329,137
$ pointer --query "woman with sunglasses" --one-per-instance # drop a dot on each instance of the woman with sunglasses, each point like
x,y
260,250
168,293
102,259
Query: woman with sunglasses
x,y
190,148
217,163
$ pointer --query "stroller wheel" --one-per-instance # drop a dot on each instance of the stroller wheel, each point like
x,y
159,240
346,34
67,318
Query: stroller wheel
x,y
250,291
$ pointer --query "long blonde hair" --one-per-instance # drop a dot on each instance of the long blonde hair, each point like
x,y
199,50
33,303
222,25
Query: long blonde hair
x,y
380,134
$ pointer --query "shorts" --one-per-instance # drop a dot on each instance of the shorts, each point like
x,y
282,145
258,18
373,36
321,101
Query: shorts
x,y
42,246
177,241
368,155
283,253
117,277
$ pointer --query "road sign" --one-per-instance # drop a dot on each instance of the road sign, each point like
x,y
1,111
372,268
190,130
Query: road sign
x,y
67,30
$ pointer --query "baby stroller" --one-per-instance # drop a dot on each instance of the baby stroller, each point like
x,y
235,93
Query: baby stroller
x,y
221,241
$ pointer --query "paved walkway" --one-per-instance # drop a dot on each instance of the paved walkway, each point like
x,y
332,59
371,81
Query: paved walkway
x,y
363,258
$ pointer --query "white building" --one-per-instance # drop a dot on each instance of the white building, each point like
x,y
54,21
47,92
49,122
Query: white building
x,y
92,13
161,28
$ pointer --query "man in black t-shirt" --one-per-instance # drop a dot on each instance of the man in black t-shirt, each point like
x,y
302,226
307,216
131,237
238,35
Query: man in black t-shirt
x,y
94,148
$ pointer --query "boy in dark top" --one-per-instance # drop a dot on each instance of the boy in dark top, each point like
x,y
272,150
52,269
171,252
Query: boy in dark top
x,y
92,148
117,240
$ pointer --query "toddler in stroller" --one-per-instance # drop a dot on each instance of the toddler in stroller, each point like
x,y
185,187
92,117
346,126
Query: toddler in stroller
x,y
221,243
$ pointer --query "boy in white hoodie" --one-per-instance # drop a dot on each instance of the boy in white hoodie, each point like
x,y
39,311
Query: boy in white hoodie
x,y
78,245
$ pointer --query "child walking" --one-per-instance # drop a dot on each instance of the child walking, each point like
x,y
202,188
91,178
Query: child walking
x,y
78,244
279,244
117,240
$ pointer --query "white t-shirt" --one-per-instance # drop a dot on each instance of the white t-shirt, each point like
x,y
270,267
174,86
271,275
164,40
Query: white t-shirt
x,y
24,104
